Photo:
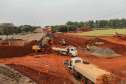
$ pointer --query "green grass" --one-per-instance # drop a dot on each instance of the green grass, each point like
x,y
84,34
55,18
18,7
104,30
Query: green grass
x,y
102,33
27,38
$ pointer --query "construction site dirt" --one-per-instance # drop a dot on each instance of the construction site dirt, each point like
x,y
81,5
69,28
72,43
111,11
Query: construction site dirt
x,y
19,55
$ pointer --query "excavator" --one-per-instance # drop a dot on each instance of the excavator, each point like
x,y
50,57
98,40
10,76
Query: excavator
x,y
43,46
117,35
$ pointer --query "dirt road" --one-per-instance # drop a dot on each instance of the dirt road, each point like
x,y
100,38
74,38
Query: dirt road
x,y
38,62
114,40
37,37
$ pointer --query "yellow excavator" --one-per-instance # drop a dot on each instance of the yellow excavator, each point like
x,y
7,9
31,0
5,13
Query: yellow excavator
x,y
41,46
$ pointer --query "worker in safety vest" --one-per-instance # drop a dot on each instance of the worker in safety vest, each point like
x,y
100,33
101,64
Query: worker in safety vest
x,y
71,63
47,68
88,47
9,43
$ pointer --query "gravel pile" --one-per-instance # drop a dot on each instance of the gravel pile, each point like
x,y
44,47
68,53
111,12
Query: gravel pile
x,y
10,76
105,51
95,49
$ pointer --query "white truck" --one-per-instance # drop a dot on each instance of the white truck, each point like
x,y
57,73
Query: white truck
x,y
69,50
89,73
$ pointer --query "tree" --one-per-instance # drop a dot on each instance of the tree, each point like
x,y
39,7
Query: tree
x,y
6,28
28,28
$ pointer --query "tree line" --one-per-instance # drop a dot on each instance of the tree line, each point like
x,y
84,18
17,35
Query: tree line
x,y
63,28
112,23
9,28
72,26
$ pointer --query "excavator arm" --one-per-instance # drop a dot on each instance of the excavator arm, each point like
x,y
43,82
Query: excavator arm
x,y
41,46
40,41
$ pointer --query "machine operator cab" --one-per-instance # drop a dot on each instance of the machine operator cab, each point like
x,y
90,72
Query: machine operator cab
x,y
70,63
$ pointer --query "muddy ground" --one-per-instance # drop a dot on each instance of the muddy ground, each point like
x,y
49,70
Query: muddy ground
x,y
32,65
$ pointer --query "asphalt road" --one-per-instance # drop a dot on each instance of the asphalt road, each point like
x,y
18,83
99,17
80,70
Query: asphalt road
x,y
37,37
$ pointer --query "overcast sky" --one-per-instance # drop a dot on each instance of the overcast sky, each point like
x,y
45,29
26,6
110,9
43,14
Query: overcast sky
x,y
57,12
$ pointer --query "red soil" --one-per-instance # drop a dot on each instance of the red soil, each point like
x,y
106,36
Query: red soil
x,y
86,29
114,63
40,77
34,63
15,50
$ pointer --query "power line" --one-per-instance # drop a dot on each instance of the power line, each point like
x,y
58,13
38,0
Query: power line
x,y
113,13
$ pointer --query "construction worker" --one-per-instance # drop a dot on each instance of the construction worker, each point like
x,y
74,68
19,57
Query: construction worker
x,y
71,63
9,43
46,68
88,47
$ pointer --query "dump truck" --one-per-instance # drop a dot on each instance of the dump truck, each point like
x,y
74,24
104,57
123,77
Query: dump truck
x,y
67,50
89,73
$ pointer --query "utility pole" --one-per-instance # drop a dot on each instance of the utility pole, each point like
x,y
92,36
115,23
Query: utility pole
x,y
67,27
34,23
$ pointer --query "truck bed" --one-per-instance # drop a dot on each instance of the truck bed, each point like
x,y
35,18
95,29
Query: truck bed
x,y
59,47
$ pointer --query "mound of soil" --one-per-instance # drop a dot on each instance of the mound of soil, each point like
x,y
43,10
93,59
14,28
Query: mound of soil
x,y
16,51
4,43
56,41
72,40
105,51
123,38
118,48
86,29
40,77
9,75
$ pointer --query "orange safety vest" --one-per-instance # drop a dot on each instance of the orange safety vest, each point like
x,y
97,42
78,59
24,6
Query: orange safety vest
x,y
47,67
71,63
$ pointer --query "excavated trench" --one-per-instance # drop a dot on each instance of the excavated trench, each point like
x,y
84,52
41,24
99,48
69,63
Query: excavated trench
x,y
82,43
40,77
16,50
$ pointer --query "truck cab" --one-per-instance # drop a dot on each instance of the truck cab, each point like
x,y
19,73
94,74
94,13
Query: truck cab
x,y
72,51
70,63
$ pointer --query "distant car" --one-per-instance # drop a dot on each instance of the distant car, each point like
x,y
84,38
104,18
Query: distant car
x,y
22,34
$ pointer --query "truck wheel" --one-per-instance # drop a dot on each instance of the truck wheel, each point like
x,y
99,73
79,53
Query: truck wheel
x,y
60,53
57,53
70,55
86,62
71,72
83,80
